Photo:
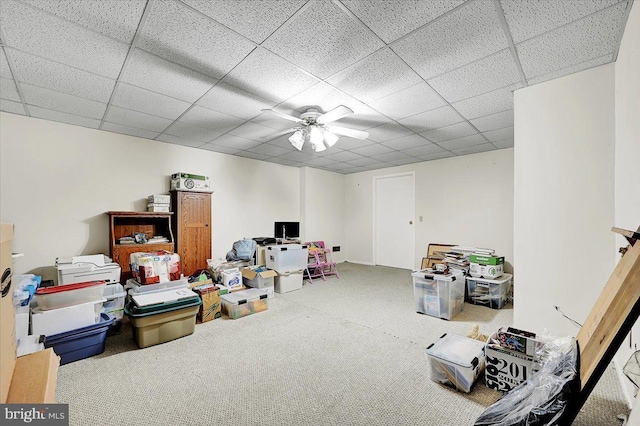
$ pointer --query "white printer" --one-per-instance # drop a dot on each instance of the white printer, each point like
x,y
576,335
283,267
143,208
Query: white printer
x,y
77,269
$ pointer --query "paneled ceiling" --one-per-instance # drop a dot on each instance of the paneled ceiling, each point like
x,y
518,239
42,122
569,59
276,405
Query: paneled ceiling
x,y
427,79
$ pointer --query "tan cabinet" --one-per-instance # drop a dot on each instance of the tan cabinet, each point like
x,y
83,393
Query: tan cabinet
x,y
192,225
125,224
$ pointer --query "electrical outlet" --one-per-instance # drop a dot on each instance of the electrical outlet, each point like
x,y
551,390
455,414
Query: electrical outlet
x,y
420,218
335,248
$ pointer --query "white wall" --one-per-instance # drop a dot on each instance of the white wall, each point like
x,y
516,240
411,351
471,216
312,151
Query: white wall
x,y
564,198
57,181
627,172
322,210
464,200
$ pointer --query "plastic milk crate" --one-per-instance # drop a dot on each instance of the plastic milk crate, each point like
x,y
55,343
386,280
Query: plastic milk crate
x,y
440,296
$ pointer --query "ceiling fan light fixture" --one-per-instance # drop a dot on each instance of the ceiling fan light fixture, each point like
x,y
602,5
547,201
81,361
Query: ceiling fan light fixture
x,y
330,139
297,140
316,136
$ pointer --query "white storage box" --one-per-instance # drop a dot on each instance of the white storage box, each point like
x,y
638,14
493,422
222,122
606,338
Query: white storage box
x,y
114,296
22,323
506,369
190,182
159,199
71,294
487,292
232,278
246,302
152,207
478,270
134,287
440,296
287,257
81,269
456,361
69,318
288,281
270,291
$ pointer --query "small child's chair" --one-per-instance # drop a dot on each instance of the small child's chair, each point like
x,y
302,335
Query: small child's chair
x,y
324,264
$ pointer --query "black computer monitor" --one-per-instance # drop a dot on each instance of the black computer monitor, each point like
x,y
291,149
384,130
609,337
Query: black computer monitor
x,y
287,230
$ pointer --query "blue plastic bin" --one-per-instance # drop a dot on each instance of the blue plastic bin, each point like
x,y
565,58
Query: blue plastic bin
x,y
80,343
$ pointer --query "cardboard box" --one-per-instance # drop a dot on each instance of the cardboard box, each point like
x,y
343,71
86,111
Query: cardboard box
x,y
232,278
511,358
159,199
210,308
7,313
486,271
155,267
190,182
254,279
486,260
34,379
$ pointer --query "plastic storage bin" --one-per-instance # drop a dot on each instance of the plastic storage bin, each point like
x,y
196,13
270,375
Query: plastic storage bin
x,y
487,292
134,287
70,294
287,257
440,296
114,305
246,302
289,281
55,321
80,343
456,361
163,322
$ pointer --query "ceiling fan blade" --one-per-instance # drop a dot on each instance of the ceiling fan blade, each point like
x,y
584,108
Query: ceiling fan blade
x,y
352,133
283,132
335,114
283,115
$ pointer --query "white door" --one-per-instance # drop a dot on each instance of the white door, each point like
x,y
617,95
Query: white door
x,y
394,207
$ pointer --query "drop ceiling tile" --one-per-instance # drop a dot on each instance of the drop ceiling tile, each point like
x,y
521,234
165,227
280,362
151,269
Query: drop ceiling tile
x,y
128,130
12,107
494,121
269,150
192,132
474,149
392,157
371,150
529,18
388,132
143,100
62,102
282,142
340,167
252,131
392,19
60,40
450,132
158,75
177,33
380,165
62,78
220,148
296,156
424,150
464,142
321,162
487,103
8,90
343,156
348,143
235,142
252,155
255,20
114,18
433,119
179,141
588,38
408,160
129,118
500,134
322,39
366,162
271,120
407,142
409,101
437,156
204,117
285,162
572,69
5,71
463,36
269,76
485,75
376,76
63,117
234,101
507,143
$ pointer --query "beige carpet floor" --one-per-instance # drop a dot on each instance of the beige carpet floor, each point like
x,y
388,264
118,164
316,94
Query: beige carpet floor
x,y
347,351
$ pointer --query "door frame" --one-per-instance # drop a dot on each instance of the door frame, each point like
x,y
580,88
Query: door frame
x,y
412,174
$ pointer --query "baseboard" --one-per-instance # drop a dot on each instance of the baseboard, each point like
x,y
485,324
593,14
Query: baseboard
x,y
627,392
360,262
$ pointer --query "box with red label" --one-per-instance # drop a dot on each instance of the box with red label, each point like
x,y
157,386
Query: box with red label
x,y
155,267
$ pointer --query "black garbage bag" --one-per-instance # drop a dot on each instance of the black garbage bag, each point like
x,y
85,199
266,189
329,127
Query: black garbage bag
x,y
542,399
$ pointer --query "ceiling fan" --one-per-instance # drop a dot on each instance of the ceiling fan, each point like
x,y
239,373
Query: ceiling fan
x,y
315,127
